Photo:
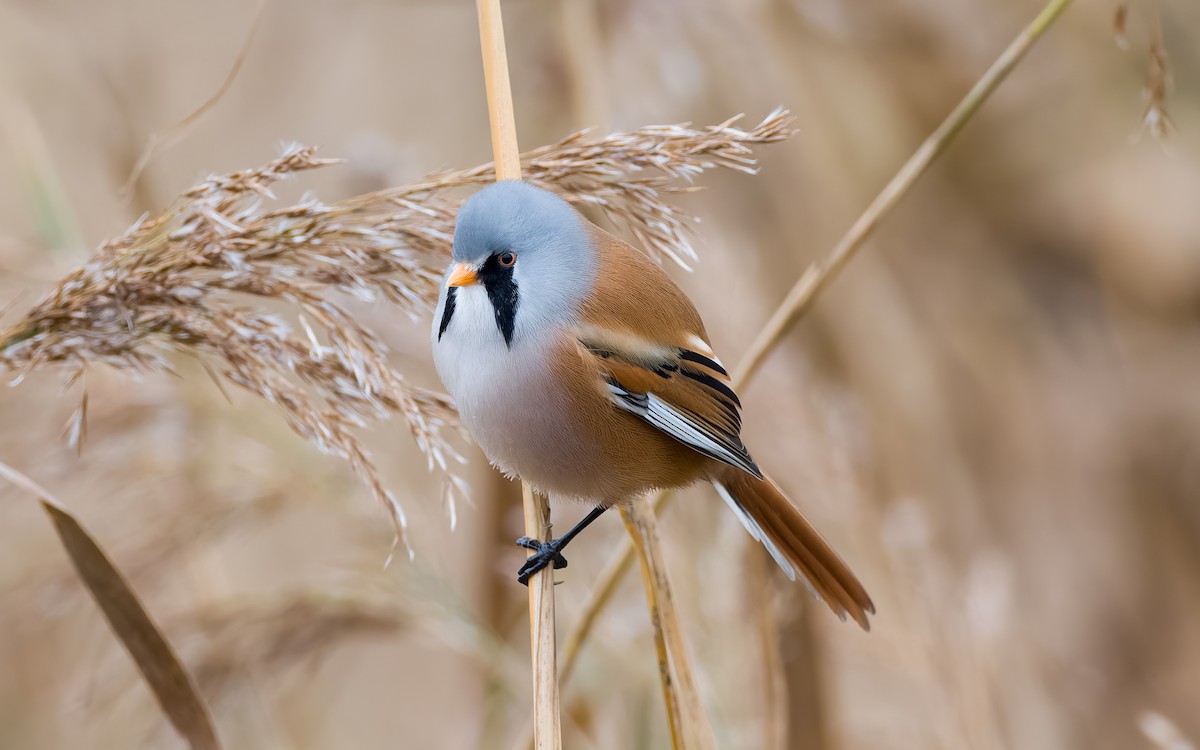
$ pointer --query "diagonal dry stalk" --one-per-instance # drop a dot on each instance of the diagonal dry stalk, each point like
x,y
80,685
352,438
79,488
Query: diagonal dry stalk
x,y
675,719
205,276
818,276
688,723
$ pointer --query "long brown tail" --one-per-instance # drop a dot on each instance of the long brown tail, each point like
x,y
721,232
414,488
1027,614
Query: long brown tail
x,y
772,519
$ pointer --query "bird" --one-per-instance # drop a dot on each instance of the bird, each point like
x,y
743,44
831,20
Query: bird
x,y
580,367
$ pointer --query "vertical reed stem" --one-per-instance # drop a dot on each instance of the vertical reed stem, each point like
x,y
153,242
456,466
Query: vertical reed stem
x,y
499,91
547,732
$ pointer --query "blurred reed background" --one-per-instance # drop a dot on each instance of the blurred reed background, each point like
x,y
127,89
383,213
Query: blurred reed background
x,y
993,413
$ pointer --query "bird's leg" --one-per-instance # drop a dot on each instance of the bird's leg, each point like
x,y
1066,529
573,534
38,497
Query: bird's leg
x,y
546,553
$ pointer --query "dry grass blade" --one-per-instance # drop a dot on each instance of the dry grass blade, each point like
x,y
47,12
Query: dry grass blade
x,y
156,660
170,682
195,278
818,276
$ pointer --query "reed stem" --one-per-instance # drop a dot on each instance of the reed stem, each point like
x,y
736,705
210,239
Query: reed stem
x,y
547,732
670,697
690,728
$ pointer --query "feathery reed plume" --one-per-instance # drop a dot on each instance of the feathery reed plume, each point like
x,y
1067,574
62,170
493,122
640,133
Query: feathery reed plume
x,y
599,172
187,279
176,282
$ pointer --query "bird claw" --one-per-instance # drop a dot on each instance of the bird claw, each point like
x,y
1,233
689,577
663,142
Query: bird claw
x,y
545,553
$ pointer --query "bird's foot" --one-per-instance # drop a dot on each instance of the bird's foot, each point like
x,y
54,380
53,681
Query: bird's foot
x,y
545,553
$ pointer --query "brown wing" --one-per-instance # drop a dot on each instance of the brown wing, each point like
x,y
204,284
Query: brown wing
x,y
653,353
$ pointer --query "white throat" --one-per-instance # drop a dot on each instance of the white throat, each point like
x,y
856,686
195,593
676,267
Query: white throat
x,y
507,396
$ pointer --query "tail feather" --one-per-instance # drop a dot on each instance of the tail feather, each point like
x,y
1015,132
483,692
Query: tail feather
x,y
796,546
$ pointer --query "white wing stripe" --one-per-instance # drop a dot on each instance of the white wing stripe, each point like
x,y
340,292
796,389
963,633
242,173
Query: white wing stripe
x,y
662,415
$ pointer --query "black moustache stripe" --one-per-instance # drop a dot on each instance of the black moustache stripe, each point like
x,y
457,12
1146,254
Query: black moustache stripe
x,y
447,311
503,293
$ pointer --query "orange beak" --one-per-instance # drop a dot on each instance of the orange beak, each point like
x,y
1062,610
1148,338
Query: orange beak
x,y
462,275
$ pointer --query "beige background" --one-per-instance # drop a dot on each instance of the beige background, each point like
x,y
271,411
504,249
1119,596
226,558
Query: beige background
x,y
994,414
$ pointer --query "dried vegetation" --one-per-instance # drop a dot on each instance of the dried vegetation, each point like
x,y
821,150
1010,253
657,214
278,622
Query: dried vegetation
x,y
992,413
197,279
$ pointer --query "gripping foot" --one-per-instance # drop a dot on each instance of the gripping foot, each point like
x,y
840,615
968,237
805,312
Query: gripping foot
x,y
546,553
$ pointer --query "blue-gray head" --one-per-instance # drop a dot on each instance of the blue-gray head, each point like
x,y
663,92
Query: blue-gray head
x,y
530,252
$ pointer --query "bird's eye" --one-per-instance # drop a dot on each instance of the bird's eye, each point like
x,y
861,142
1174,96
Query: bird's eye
x,y
507,258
